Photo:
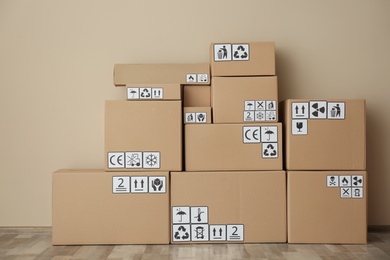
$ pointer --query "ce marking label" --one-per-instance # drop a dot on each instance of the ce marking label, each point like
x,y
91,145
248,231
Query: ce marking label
x,y
251,134
116,160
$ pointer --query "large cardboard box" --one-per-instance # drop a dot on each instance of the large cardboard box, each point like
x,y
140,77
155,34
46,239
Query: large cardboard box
x,y
327,207
233,147
196,96
325,134
244,99
143,136
228,207
190,74
242,59
97,207
147,92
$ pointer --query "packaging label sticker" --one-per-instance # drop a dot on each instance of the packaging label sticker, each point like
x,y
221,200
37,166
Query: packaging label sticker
x,y
357,193
332,181
223,52
270,105
139,184
259,115
249,105
318,109
201,117
191,78
336,110
240,51
132,93
260,105
145,93
190,117
217,232
345,181
249,116
181,215
251,134
203,78
116,160
357,180
346,192
235,232
269,134
181,232
199,232
157,93
299,127
199,215
270,116
157,184
270,150
300,110
133,160
120,184
151,160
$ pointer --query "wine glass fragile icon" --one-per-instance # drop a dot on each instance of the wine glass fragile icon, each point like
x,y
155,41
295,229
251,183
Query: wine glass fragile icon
x,y
299,126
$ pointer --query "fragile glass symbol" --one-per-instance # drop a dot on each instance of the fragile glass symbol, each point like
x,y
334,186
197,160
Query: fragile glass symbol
x,y
299,126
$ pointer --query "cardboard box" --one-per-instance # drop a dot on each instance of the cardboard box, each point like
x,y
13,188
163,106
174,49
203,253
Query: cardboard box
x,y
143,136
242,59
244,99
228,207
189,74
153,92
197,115
97,207
327,207
325,134
233,147
196,96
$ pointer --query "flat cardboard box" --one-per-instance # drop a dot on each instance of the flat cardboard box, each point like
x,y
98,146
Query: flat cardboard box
x,y
145,92
322,209
88,210
325,134
233,147
228,207
244,99
242,59
196,96
143,135
197,115
190,74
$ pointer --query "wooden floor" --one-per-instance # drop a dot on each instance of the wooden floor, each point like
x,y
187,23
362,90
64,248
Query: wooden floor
x,y
36,244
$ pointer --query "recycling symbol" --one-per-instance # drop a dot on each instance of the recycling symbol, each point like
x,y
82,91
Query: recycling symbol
x,y
182,234
241,52
270,150
145,93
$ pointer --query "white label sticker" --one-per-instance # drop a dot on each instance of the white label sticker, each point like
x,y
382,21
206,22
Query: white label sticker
x,y
345,192
157,184
357,193
300,110
240,51
201,117
332,181
217,232
191,78
270,105
318,109
249,105
345,181
270,150
145,93
357,181
132,93
151,160
120,184
235,232
251,134
299,126
190,117
270,116
222,52
269,134
181,233
336,110
260,105
200,232
139,184
249,116
181,215
157,93
133,160
116,160
199,215
259,115
203,78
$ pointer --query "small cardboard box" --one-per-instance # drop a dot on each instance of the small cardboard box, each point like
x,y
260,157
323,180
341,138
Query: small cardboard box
x,y
327,207
197,115
233,147
97,207
196,96
153,92
325,134
228,207
244,99
190,74
242,59
143,135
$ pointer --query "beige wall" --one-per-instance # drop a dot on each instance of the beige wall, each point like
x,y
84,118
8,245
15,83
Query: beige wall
x,y
56,61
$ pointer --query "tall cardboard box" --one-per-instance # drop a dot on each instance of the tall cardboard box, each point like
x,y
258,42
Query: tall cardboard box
x,y
143,135
97,207
244,99
233,147
242,59
327,207
196,96
325,134
228,207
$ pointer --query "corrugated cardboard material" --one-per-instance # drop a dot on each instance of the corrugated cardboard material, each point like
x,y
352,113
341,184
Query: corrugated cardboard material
x,y
244,99
257,200
151,127
333,143
146,92
260,60
196,96
86,211
189,74
218,147
318,214
197,115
